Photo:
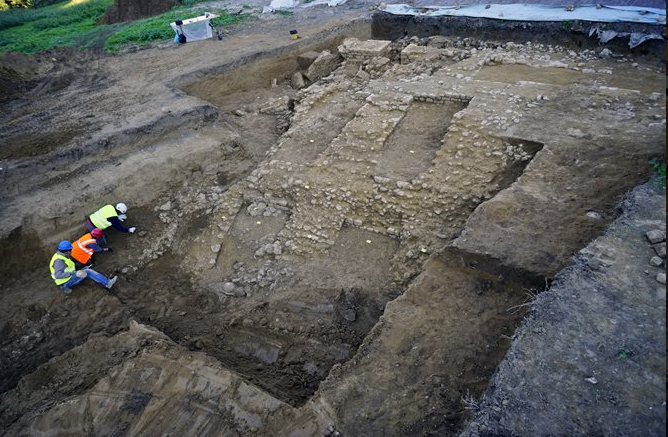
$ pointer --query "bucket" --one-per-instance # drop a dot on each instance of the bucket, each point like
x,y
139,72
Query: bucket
x,y
293,34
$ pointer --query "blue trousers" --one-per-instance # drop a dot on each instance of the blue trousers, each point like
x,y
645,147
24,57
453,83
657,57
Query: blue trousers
x,y
90,273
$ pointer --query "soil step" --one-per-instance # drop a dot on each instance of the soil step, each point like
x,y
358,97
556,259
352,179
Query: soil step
x,y
445,335
138,382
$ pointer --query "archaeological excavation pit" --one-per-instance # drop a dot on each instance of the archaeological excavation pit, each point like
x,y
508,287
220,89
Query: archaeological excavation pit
x,y
358,224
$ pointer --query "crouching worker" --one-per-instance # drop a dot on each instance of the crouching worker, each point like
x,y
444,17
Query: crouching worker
x,y
108,216
84,248
64,272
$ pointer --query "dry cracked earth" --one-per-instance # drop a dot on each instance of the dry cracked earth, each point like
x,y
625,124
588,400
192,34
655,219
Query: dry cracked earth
x,y
338,235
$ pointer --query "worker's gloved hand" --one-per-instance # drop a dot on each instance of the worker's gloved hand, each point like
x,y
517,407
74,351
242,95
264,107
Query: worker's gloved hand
x,y
132,230
81,273
122,217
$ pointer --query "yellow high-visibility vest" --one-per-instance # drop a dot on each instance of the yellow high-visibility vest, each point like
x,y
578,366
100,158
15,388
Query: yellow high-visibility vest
x,y
100,218
70,268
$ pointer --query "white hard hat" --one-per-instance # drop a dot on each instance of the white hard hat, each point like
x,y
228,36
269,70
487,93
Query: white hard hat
x,y
122,208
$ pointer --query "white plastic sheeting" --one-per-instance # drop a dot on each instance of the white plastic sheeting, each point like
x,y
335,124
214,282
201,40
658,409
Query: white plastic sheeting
x,y
289,4
324,2
525,12
197,28
635,38
279,4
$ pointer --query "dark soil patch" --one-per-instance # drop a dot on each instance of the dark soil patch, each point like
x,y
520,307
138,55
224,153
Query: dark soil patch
x,y
129,10
414,142
37,143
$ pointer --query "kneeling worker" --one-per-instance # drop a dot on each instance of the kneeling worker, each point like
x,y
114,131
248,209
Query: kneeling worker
x,y
84,248
64,272
109,216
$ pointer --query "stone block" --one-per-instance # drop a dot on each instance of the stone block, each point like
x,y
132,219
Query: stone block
x,y
306,59
415,53
324,64
297,81
355,50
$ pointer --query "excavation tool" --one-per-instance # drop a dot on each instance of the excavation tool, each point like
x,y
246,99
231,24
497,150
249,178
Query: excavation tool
x,y
218,34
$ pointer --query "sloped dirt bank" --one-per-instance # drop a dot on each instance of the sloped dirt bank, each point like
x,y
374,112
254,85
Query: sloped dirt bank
x,y
135,382
593,345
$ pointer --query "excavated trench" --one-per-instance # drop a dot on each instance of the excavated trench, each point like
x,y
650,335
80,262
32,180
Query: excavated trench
x,y
283,321
322,212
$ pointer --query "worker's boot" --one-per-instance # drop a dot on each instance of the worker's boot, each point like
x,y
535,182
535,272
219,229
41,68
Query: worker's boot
x,y
111,282
66,290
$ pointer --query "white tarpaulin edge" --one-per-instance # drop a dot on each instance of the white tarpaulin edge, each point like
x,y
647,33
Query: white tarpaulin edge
x,y
289,4
635,38
526,12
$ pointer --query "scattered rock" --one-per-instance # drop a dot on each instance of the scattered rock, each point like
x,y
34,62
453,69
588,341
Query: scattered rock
x,y
324,64
362,75
594,215
350,315
605,53
277,106
661,277
575,133
306,59
298,81
656,236
656,261
166,206
660,249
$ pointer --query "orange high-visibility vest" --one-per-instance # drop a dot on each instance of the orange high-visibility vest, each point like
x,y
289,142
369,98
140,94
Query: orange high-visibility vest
x,y
80,250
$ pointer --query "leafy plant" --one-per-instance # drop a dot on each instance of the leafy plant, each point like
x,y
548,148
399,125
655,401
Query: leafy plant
x,y
566,24
660,169
624,353
7,4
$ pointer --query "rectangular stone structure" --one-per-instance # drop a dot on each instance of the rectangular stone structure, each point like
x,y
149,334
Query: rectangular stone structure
x,y
414,53
354,50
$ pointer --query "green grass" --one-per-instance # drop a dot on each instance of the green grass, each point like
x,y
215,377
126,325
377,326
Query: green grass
x,y
58,25
61,14
157,28
73,23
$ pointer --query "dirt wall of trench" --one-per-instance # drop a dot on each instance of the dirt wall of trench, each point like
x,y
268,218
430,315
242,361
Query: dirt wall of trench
x,y
568,34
